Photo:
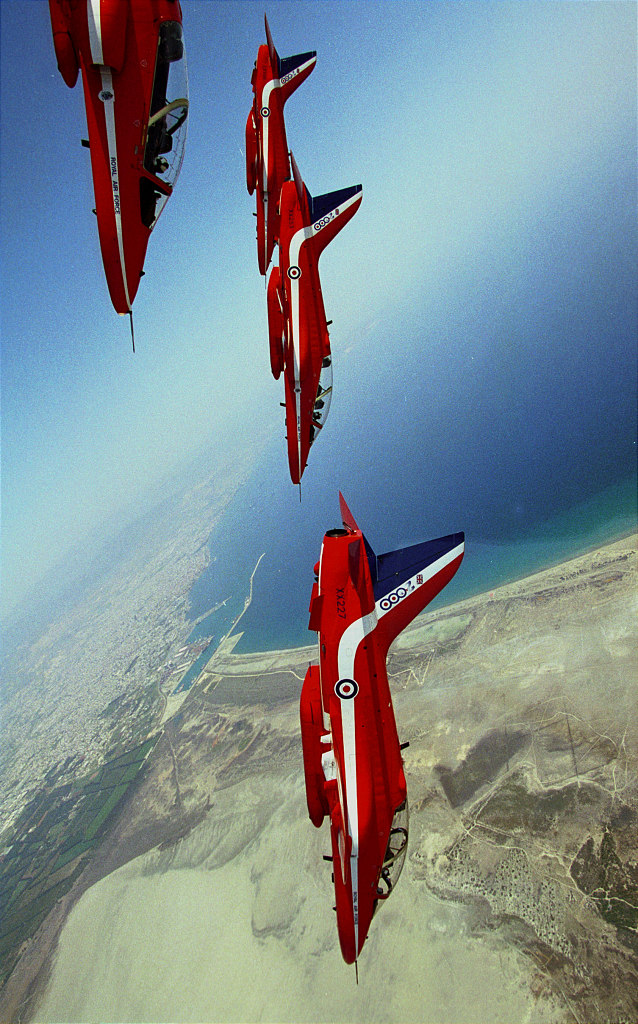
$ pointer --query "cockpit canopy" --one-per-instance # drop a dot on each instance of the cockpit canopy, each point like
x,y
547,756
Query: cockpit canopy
x,y
323,398
395,852
166,135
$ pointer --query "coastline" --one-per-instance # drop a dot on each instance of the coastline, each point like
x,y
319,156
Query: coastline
x,y
576,585
227,661
507,561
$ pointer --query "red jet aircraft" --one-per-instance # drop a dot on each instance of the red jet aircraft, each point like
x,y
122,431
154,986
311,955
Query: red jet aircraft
x,y
131,55
352,757
273,80
297,326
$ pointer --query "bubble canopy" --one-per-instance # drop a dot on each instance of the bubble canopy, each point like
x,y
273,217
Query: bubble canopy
x,y
166,134
322,401
396,850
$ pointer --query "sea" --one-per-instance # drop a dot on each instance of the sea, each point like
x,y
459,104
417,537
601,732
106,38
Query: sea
x,y
268,517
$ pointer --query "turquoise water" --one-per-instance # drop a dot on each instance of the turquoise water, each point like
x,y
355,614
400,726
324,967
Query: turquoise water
x,y
191,675
599,520
278,615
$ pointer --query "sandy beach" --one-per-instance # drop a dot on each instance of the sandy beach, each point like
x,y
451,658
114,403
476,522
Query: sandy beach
x,y
520,709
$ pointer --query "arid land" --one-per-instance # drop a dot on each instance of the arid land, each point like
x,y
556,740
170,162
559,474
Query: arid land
x,y
519,899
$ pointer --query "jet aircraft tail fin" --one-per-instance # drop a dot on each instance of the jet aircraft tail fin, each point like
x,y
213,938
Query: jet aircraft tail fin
x,y
350,524
406,580
291,71
274,56
347,517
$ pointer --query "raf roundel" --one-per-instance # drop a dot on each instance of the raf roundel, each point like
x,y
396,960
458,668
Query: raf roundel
x,y
391,599
346,689
294,273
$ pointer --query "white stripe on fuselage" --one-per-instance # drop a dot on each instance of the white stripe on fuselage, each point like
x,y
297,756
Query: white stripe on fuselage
x,y
346,657
267,91
294,254
109,116
348,645
265,142
94,17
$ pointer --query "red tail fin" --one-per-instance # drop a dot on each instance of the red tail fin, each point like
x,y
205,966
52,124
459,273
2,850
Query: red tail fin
x,y
347,516
274,57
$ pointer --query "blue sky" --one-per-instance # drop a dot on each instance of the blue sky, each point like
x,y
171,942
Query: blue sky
x,y
484,297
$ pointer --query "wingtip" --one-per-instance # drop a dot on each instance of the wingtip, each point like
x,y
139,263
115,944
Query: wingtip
x,y
130,313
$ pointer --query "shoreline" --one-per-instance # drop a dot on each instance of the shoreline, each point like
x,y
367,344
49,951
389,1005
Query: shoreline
x,y
586,525
585,573
280,656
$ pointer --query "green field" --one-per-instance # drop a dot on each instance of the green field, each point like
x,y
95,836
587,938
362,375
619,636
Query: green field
x,y
52,842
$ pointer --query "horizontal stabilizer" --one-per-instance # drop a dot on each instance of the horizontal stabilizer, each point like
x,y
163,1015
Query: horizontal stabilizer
x,y
288,64
406,580
320,206
395,567
316,605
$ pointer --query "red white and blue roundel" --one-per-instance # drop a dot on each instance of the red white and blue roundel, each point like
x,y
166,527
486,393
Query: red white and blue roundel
x,y
397,595
346,689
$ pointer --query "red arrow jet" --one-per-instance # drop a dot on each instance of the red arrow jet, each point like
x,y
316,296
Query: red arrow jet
x,y
273,80
352,757
297,326
131,55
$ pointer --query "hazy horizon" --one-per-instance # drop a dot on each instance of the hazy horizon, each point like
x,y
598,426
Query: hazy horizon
x,y
484,297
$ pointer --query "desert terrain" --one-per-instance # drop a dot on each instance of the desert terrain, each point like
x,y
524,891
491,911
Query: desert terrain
x,y
209,900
